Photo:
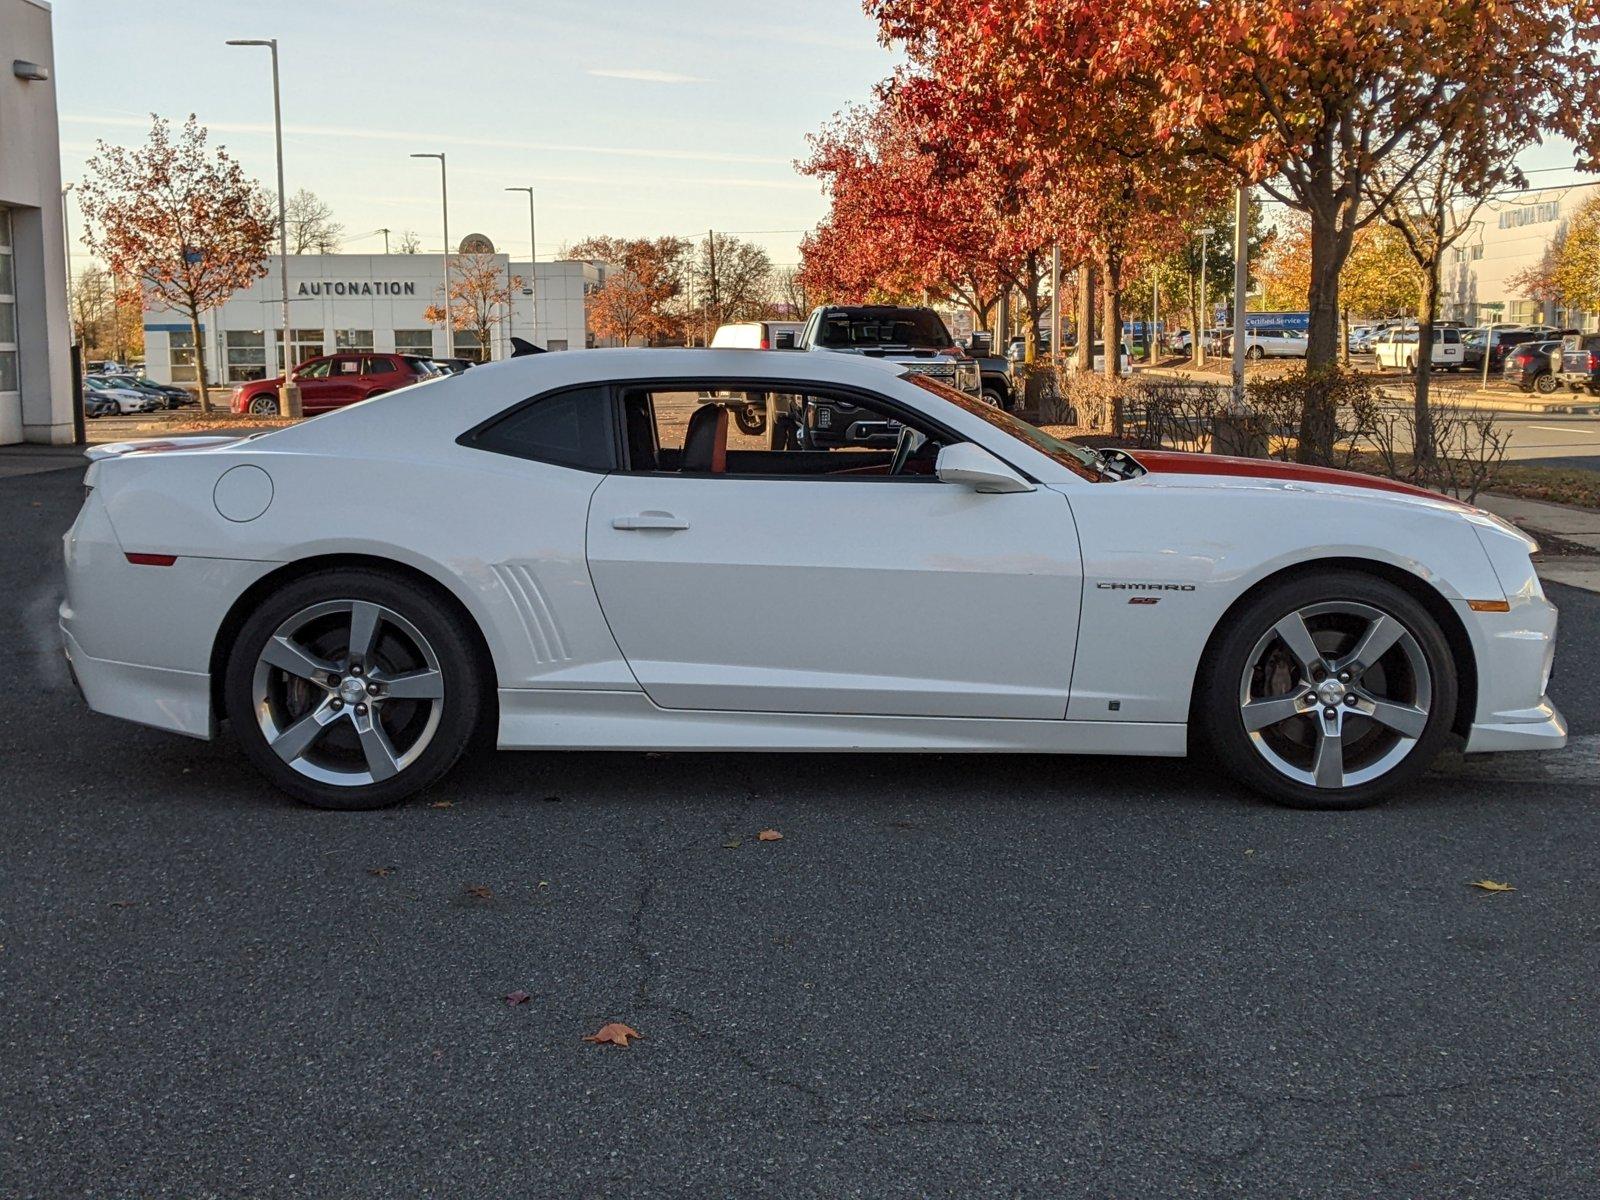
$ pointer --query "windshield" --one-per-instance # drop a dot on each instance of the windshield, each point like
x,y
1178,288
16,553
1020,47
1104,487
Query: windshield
x,y
1079,459
921,328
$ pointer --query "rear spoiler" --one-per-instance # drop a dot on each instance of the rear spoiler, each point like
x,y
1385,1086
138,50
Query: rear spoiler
x,y
157,446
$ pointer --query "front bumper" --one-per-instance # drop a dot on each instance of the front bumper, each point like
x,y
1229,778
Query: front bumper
x,y
1516,655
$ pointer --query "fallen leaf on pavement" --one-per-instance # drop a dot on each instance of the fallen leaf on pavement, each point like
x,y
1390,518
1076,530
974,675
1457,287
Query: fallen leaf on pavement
x,y
516,998
732,844
443,804
1490,885
479,891
769,835
380,872
615,1033
123,903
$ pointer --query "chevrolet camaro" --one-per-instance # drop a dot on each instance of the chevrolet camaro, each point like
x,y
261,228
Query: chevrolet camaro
x,y
577,551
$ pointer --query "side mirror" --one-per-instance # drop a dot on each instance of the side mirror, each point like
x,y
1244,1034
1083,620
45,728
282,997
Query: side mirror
x,y
972,466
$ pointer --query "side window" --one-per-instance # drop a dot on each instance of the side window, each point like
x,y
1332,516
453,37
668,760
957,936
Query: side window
x,y
571,429
378,366
715,428
346,366
314,370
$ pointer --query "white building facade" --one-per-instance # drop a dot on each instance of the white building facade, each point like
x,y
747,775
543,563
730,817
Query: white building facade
x,y
1507,237
364,302
36,402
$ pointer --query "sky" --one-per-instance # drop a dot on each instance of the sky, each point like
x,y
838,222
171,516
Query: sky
x,y
628,117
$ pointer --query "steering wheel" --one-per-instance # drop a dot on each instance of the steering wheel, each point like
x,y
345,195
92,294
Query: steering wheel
x,y
909,443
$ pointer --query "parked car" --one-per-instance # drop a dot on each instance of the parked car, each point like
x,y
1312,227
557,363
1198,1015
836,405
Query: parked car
x,y
916,337
1000,386
170,394
1213,339
128,399
757,335
1576,362
1500,343
450,366
107,366
1528,366
1275,343
1397,348
334,381
96,404
1124,364
551,539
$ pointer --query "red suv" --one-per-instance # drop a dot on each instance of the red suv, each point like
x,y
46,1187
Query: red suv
x,y
334,381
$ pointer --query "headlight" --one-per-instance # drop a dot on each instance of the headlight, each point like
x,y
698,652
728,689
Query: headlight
x,y
968,377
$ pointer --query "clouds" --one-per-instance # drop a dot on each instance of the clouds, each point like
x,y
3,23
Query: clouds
x,y
643,75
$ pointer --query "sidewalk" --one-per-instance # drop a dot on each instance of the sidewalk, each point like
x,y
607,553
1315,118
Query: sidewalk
x,y
1579,526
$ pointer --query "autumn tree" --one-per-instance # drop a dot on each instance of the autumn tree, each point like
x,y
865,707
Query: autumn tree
x,y
791,297
182,219
480,299
730,280
1576,277
410,242
107,315
644,294
312,229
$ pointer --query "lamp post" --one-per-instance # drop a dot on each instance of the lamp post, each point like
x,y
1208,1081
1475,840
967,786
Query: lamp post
x,y
66,237
1241,284
533,269
1205,232
444,204
289,393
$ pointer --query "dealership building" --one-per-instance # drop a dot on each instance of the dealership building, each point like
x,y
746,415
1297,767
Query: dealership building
x,y
1508,236
35,335
375,302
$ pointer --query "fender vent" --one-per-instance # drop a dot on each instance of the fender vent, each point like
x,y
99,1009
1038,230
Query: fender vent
x,y
538,619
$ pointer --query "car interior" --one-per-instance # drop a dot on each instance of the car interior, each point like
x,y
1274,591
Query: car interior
x,y
683,431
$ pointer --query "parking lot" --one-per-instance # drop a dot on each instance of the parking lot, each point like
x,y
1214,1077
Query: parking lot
x,y
960,976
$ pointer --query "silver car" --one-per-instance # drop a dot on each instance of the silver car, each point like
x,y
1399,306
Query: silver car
x,y
1275,343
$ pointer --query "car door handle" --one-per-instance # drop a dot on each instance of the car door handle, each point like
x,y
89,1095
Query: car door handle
x,y
649,520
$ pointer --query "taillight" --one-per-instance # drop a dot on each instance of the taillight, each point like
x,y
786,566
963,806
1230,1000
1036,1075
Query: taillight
x,y
764,345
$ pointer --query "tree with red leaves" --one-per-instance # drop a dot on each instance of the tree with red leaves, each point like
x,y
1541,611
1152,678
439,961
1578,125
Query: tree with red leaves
x,y
184,221
644,293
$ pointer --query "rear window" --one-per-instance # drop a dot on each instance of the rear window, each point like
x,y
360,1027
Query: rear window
x,y
571,429
1450,336
917,328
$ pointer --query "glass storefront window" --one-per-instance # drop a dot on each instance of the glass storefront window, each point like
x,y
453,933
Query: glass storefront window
x,y
246,351
352,339
467,346
180,357
305,344
414,341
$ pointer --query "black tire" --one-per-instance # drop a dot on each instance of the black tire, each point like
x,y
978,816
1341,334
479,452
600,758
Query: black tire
x,y
1546,384
1256,353
1218,695
446,634
752,418
994,398
263,406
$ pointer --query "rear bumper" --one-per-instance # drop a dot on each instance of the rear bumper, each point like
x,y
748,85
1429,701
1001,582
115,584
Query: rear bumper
x,y
179,701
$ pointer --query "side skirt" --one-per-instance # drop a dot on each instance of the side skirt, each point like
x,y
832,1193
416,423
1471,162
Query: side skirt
x,y
584,720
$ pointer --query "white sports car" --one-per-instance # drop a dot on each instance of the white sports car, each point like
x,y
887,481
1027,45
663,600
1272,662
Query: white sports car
x,y
573,548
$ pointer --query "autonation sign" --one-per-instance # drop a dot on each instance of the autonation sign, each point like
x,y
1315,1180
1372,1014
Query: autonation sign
x,y
358,287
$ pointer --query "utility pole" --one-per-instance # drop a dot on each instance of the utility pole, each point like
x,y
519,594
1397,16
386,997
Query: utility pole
x,y
385,233
1241,281
711,253
1205,303
1055,304
1155,319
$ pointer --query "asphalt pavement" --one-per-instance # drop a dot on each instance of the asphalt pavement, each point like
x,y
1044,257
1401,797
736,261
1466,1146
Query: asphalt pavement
x,y
953,976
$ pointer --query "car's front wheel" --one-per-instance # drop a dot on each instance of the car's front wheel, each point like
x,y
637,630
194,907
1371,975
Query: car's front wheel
x,y
263,406
352,689
1329,691
1255,352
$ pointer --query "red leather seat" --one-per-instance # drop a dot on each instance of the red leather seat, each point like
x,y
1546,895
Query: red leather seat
x,y
705,443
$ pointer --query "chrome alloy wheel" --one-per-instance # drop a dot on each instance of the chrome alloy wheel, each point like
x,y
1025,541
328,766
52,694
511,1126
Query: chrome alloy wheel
x,y
1336,694
348,692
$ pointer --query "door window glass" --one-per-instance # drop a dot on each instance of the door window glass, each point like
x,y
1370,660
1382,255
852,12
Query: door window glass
x,y
346,367
677,429
378,366
314,370
246,355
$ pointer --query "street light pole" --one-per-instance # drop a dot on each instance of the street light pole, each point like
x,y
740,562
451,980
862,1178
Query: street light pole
x,y
1200,334
533,269
289,393
444,201
66,237
1241,279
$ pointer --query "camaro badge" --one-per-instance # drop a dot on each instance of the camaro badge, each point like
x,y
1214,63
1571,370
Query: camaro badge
x,y
1145,587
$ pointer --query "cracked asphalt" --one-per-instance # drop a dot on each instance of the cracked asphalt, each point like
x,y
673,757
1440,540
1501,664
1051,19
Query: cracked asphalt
x,y
988,976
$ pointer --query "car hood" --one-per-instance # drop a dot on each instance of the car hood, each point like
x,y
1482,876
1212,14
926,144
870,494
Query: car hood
x,y
1220,470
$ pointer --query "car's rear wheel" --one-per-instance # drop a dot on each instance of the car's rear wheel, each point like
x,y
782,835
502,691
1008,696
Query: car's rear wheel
x,y
1546,384
1329,691
752,417
1255,352
351,689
